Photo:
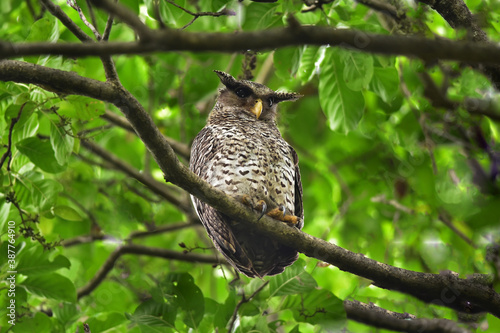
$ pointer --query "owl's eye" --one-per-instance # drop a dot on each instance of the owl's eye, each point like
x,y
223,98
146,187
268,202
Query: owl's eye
x,y
270,101
243,92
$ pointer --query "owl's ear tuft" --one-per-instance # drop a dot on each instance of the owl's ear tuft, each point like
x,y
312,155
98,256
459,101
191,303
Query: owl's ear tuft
x,y
226,79
284,96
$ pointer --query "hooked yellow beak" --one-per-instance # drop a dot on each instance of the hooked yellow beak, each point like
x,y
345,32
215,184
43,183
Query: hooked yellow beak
x,y
257,108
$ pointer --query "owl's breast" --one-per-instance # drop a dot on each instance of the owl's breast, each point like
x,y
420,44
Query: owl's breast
x,y
254,163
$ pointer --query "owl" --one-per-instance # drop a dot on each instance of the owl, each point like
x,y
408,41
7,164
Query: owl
x,y
241,152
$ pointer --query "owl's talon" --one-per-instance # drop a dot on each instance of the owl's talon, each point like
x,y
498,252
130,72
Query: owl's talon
x,y
291,219
262,207
246,200
279,213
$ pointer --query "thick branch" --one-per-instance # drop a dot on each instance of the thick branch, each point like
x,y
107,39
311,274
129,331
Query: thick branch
x,y
445,289
57,81
175,40
68,23
458,16
142,250
378,317
133,235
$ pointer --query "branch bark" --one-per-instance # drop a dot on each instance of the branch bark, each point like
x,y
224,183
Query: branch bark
x,y
378,317
458,16
174,40
142,250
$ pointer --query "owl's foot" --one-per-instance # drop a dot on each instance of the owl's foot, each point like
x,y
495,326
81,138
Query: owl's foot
x,y
261,205
279,213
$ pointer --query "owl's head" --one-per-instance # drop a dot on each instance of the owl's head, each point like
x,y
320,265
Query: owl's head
x,y
253,99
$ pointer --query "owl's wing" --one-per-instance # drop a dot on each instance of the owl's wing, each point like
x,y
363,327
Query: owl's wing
x,y
299,207
218,229
217,225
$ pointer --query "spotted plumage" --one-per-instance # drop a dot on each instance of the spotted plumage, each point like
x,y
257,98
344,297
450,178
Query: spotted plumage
x,y
241,152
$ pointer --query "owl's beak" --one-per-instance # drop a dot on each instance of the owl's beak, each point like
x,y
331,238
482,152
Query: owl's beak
x,y
257,108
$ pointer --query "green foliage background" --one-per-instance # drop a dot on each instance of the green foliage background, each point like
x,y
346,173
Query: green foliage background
x,y
381,168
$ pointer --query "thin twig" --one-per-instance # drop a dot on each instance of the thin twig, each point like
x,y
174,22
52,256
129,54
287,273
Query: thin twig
x,y
393,203
222,12
107,29
156,187
241,302
8,153
92,15
382,7
141,250
74,5
445,218
163,229
68,23
126,15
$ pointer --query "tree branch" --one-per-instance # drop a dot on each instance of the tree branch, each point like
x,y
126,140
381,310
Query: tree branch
x,y
175,40
458,16
155,186
243,300
471,295
68,23
141,250
372,315
126,15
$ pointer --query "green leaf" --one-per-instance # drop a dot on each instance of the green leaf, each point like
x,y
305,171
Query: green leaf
x,y
67,213
27,125
225,311
62,141
44,29
358,69
23,186
343,106
154,313
249,309
385,83
188,296
487,215
286,61
53,286
310,56
104,322
318,307
40,152
132,5
261,16
39,323
44,193
169,13
66,312
35,261
81,108
4,212
293,280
